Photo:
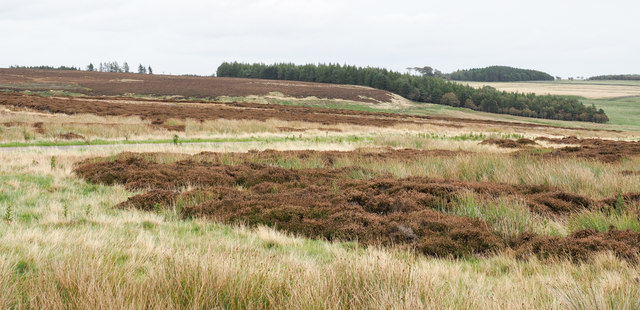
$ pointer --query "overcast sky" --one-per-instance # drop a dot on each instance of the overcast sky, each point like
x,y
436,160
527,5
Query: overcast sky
x,y
561,37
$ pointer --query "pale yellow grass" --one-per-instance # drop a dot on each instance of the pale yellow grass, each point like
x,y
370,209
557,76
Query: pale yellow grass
x,y
571,89
483,163
20,128
95,256
139,260
395,102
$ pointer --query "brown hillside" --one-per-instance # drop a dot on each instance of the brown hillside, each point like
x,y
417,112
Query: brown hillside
x,y
111,84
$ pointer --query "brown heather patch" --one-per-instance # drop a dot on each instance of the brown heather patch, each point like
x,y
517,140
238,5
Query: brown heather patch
x,y
113,84
629,172
507,143
159,111
580,245
331,204
598,149
39,127
71,136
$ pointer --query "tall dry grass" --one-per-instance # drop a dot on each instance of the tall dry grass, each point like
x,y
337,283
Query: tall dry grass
x,y
65,246
156,263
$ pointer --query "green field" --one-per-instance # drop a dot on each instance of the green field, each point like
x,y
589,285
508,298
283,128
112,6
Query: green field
x,y
619,99
624,111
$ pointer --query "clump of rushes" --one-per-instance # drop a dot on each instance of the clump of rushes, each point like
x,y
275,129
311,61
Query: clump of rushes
x,y
7,215
620,205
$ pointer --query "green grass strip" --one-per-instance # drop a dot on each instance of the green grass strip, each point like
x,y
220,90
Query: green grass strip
x,y
338,139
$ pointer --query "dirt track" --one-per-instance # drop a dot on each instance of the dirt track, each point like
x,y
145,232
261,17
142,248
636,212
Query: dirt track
x,y
331,204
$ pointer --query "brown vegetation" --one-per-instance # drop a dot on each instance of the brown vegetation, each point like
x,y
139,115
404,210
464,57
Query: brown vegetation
x,y
580,245
71,136
137,173
114,84
332,204
598,149
629,172
159,111
507,143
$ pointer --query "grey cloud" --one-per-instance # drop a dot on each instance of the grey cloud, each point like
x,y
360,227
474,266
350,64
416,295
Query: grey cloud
x,y
561,37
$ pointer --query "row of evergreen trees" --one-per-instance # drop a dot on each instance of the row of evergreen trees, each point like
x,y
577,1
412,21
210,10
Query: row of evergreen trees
x,y
629,77
499,74
423,89
113,66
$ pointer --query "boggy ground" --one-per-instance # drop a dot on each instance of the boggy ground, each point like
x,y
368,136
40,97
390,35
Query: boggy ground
x,y
346,204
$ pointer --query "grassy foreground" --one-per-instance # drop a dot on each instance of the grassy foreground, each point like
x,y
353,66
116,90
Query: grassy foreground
x,y
63,245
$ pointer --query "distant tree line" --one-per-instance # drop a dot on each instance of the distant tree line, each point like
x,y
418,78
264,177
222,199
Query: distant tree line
x,y
631,77
499,74
423,89
44,67
108,66
428,71
113,66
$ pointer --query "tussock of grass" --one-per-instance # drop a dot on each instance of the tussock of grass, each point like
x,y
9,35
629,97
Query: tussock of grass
x,y
508,218
601,221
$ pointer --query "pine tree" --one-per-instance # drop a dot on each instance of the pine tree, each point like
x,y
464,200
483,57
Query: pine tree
x,y
150,71
142,69
125,67
90,67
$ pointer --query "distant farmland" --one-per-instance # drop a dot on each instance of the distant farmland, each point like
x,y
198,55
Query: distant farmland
x,y
587,89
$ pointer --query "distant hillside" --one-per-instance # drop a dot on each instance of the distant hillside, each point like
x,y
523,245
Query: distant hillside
x,y
630,77
118,83
499,74
423,89
44,67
